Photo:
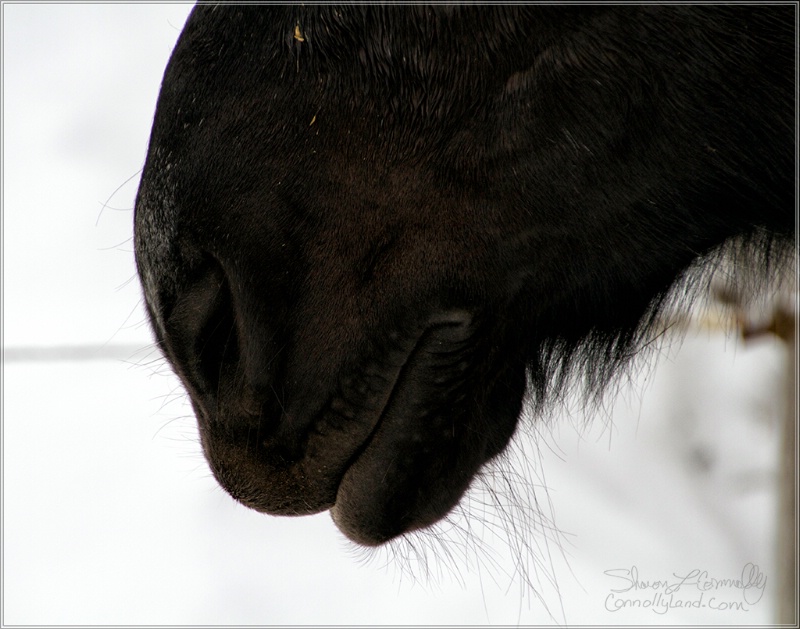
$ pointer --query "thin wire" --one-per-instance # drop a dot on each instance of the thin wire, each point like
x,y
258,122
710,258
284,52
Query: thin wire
x,y
84,352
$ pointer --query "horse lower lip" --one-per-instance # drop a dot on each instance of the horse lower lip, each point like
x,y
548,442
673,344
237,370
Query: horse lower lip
x,y
416,418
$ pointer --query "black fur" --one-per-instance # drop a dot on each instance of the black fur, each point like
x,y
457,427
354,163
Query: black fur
x,y
363,231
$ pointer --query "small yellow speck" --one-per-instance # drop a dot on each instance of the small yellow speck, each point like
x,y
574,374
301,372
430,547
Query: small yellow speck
x,y
298,34
313,120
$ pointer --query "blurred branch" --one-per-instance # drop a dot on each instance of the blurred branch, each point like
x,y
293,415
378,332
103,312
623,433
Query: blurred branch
x,y
727,311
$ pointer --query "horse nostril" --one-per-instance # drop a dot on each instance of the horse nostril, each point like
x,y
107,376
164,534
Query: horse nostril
x,y
201,329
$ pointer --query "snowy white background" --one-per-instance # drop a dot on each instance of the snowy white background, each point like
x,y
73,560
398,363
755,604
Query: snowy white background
x,y
111,517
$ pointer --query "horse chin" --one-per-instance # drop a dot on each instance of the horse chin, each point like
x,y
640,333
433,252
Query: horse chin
x,y
402,482
421,459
